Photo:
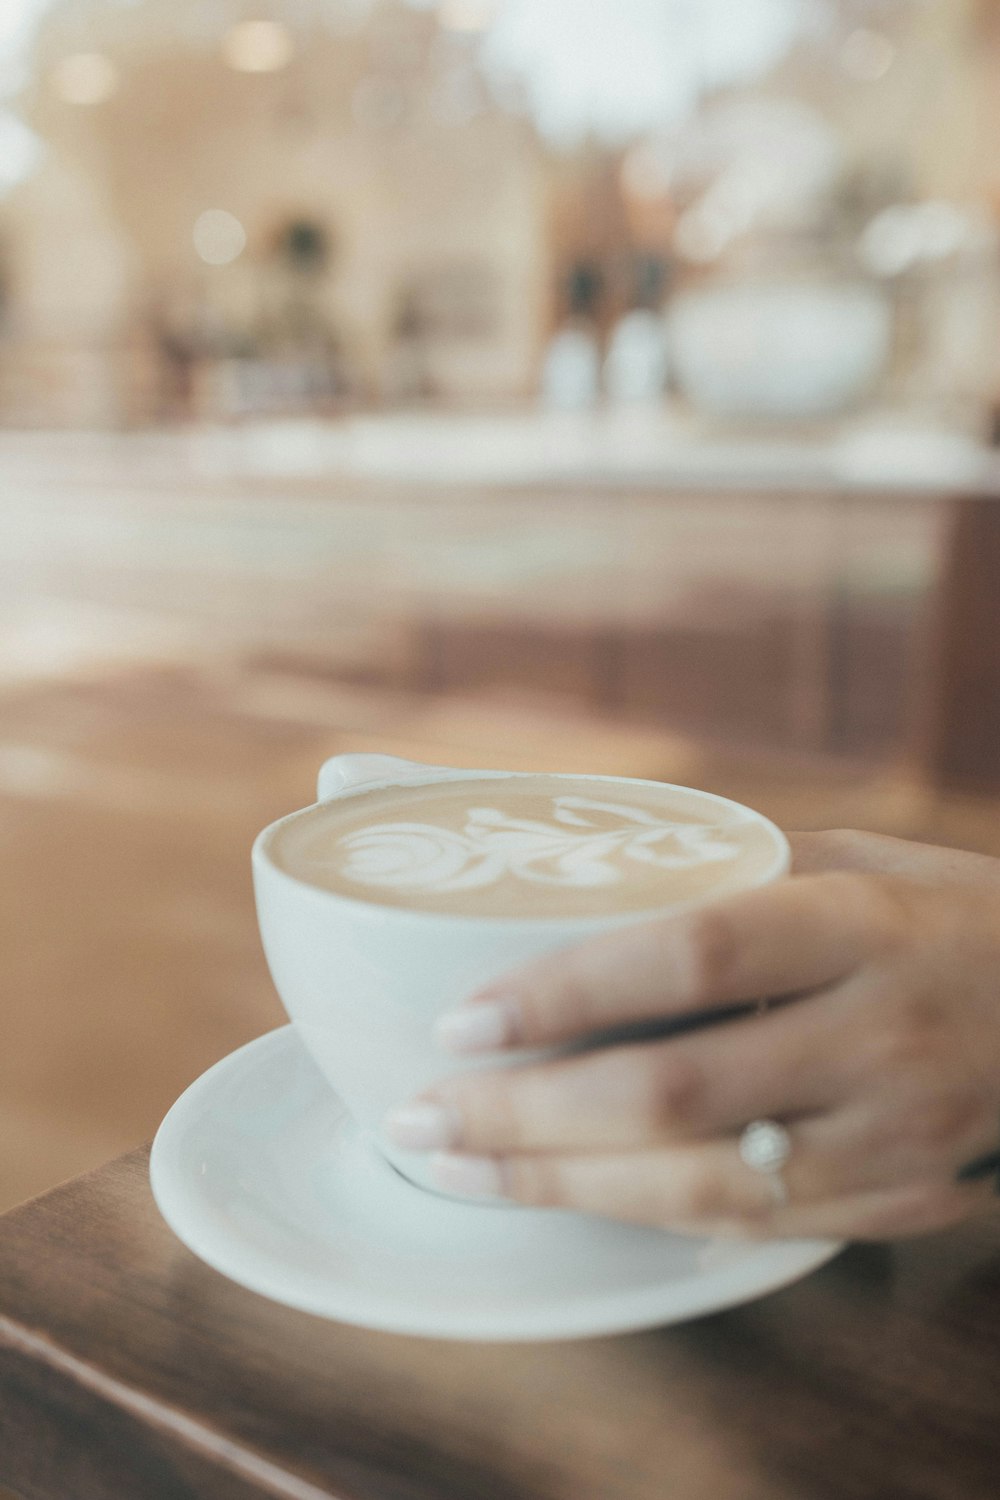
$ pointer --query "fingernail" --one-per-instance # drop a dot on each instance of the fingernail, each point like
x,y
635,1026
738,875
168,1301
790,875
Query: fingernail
x,y
422,1127
480,1026
467,1176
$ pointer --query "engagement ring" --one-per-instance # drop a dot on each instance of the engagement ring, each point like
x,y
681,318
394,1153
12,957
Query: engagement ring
x,y
765,1147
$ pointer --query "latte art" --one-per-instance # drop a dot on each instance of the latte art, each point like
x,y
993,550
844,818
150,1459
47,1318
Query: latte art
x,y
527,846
586,844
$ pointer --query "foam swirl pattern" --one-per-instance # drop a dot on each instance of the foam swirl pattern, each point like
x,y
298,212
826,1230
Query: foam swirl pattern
x,y
530,846
582,846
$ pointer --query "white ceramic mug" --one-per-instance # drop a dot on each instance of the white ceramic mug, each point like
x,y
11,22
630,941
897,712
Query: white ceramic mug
x,y
364,983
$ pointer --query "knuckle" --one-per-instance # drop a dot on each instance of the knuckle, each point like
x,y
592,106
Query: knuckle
x,y
842,841
905,1038
490,1112
851,888
535,1181
941,1118
898,1051
678,1089
560,1003
756,1222
707,1199
889,916
711,1199
709,955
877,903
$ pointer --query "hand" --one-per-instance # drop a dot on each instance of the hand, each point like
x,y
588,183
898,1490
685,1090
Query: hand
x,y
880,1055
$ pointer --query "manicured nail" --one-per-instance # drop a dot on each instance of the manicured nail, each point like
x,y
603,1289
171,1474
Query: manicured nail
x,y
480,1026
467,1176
422,1127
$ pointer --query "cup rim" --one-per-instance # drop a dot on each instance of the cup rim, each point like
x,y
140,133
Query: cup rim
x,y
361,909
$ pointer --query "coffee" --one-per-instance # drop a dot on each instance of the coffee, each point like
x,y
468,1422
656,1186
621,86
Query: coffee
x,y
529,846
380,908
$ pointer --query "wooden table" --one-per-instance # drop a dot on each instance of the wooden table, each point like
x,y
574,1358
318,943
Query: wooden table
x,y
129,1371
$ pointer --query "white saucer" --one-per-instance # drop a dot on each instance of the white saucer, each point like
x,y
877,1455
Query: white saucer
x,y
260,1172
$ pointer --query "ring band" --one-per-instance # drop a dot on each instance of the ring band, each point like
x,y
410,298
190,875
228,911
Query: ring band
x,y
765,1147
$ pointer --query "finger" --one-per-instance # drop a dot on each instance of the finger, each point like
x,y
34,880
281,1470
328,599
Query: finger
x,y
708,1190
794,936
705,1183
683,1182
629,1097
843,849
665,1189
847,849
886,1214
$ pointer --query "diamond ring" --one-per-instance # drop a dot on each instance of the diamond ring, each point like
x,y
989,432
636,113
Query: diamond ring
x,y
765,1147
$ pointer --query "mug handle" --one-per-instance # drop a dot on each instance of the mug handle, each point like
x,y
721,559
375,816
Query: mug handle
x,y
346,772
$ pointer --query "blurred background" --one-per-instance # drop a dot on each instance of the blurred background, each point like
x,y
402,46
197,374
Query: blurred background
x,y
601,385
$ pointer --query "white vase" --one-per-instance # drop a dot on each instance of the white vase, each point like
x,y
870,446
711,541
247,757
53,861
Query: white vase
x,y
778,351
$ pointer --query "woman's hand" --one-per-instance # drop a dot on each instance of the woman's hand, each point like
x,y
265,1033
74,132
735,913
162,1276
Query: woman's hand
x,y
881,1057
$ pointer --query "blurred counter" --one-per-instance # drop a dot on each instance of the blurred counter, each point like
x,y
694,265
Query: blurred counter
x,y
643,449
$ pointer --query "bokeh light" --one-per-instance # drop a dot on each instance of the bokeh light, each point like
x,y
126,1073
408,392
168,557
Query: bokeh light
x,y
85,78
468,15
21,151
258,47
867,55
617,68
219,237
905,235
